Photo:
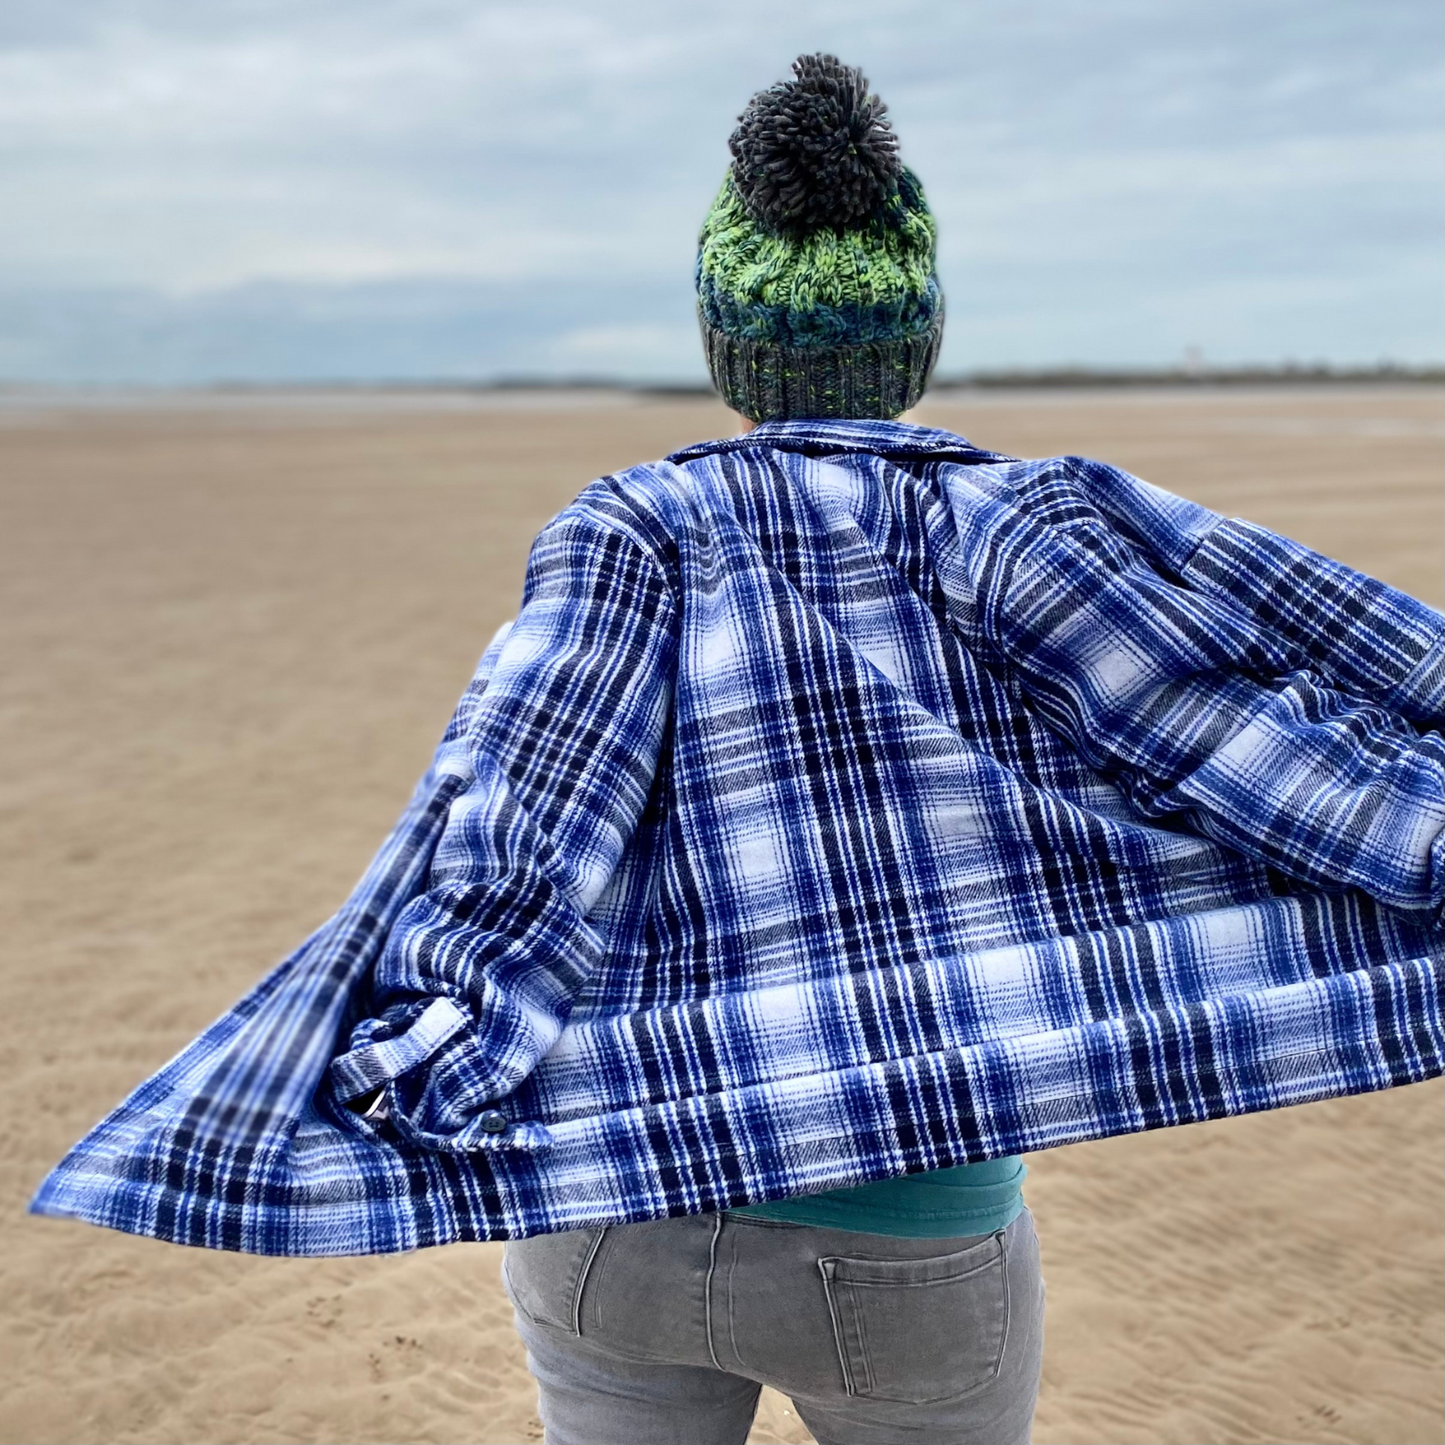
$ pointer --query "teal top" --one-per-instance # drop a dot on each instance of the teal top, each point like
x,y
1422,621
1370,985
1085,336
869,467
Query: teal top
x,y
941,1204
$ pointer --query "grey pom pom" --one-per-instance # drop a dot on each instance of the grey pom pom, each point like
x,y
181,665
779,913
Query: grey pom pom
x,y
815,151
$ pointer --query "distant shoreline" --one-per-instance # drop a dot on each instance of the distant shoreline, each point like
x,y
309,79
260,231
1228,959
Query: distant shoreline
x,y
1073,377
18,399
1070,378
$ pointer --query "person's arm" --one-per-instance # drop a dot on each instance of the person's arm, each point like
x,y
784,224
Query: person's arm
x,y
1362,636
479,972
1201,714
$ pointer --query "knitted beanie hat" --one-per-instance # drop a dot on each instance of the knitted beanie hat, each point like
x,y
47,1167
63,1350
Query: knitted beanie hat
x,y
815,272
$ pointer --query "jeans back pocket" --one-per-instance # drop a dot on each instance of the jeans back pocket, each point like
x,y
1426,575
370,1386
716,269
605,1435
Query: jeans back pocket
x,y
544,1276
919,1330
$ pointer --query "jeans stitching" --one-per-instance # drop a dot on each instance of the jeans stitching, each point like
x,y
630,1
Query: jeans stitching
x,y
1003,1250
860,1334
707,1287
732,1265
826,1272
902,1284
582,1280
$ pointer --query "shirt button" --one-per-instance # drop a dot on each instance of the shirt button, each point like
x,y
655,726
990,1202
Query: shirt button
x,y
493,1121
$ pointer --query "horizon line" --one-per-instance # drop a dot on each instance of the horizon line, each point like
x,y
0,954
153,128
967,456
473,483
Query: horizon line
x,y
1070,375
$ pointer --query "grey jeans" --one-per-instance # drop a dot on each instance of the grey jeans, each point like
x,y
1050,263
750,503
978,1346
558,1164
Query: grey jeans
x,y
662,1333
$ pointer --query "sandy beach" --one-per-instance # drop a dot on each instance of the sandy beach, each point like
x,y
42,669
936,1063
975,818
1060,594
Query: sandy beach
x,y
233,629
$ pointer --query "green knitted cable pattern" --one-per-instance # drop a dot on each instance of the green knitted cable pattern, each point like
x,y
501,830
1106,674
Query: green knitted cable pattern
x,y
817,288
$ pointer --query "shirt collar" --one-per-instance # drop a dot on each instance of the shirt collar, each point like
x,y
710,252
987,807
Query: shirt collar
x,y
893,439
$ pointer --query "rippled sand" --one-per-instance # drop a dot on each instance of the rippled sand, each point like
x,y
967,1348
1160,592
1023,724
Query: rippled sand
x,y
232,630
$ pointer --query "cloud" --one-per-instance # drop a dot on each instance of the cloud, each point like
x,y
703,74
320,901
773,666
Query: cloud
x,y
1262,174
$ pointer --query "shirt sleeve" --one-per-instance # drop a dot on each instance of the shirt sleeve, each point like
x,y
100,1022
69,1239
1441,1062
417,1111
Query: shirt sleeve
x,y
1201,714
479,972
1360,635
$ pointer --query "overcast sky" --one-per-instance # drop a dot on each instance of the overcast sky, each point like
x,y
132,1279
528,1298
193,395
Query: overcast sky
x,y
312,189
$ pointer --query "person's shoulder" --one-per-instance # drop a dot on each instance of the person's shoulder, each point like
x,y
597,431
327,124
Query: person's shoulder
x,y
642,507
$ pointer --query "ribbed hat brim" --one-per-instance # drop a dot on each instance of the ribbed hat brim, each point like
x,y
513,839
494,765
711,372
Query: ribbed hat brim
x,y
767,382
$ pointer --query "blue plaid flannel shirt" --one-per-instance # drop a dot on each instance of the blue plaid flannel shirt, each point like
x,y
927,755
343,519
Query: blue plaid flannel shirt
x,y
845,801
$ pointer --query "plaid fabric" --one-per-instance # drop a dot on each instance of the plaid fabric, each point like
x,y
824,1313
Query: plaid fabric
x,y
845,801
